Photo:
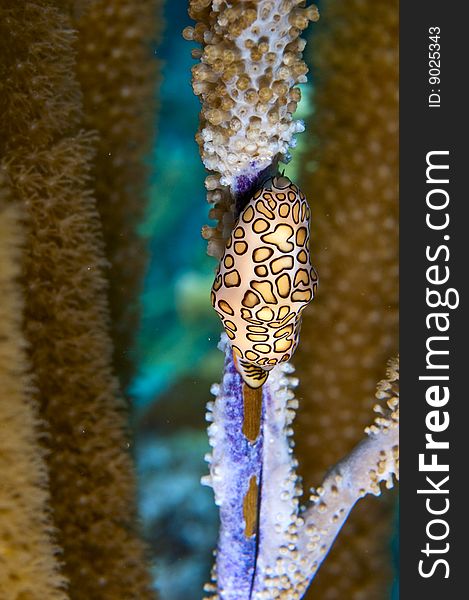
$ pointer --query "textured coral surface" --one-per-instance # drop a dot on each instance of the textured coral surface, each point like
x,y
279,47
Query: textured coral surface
x,y
29,561
47,156
116,72
280,557
250,63
350,179
370,466
235,462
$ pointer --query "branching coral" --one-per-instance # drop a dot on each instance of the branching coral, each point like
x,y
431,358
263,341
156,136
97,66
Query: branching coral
x,y
250,61
29,561
235,467
117,74
47,158
351,179
257,556
292,542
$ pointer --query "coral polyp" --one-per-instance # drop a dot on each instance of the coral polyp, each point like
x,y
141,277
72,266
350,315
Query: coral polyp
x,y
250,61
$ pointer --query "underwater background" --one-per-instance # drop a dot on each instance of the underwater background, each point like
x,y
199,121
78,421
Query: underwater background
x,y
108,341
177,341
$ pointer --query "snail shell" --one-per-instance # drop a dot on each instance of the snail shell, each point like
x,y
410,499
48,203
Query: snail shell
x,y
265,279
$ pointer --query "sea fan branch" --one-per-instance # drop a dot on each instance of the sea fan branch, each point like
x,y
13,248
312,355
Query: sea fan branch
x,y
292,541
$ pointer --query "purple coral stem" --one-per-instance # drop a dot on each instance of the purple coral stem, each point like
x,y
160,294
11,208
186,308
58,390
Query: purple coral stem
x,y
235,461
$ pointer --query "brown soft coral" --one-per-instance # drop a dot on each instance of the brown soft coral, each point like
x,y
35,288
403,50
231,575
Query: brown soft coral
x,y
117,71
29,563
351,180
47,157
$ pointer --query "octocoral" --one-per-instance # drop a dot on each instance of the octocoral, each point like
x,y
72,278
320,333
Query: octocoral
x,y
117,76
279,559
351,178
29,555
47,157
250,62
275,552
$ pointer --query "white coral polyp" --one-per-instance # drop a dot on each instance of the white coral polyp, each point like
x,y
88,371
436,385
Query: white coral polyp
x,y
249,66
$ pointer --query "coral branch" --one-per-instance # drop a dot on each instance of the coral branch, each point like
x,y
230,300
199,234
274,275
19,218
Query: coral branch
x,y
280,491
117,70
371,462
47,157
292,541
234,462
250,62
29,563
349,172
251,57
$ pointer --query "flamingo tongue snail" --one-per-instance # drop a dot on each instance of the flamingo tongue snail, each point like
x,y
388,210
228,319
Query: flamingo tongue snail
x,y
265,279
